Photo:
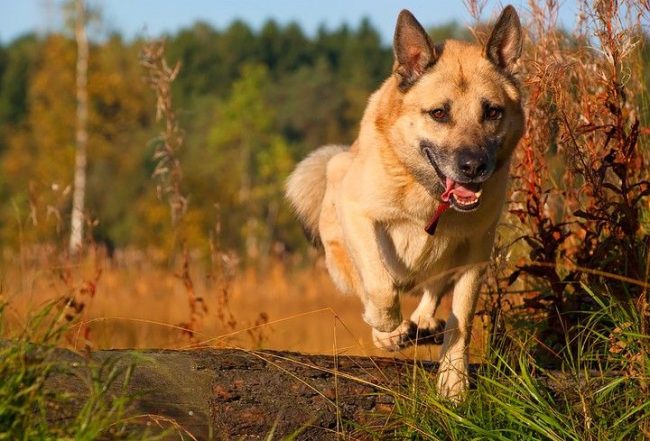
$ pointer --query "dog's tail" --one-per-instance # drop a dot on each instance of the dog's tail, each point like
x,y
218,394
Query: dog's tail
x,y
305,187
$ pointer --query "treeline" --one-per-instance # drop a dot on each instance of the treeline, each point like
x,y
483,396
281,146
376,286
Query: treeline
x,y
251,104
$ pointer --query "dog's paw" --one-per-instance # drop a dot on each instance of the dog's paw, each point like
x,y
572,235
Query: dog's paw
x,y
386,320
453,383
429,331
395,340
408,334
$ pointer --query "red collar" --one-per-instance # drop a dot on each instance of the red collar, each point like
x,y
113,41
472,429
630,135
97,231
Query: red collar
x,y
433,223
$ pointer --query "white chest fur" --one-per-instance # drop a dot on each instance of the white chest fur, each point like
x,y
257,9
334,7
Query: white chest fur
x,y
412,256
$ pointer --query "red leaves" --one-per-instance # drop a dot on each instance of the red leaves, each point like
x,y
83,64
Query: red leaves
x,y
579,179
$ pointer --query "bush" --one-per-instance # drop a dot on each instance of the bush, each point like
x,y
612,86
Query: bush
x,y
579,201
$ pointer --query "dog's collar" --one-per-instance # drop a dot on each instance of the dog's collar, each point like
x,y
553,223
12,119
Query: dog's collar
x,y
433,223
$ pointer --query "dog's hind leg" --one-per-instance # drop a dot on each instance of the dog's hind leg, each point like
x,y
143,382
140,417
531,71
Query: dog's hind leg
x,y
339,264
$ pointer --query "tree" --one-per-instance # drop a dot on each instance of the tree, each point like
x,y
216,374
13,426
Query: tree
x,y
81,133
37,167
120,124
313,104
15,75
38,161
251,160
203,67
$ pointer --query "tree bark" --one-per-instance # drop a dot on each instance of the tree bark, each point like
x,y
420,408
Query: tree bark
x,y
81,136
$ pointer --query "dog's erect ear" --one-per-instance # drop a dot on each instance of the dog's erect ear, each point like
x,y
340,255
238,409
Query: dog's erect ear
x,y
414,52
504,45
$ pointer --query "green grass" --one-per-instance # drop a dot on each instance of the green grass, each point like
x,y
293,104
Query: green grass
x,y
600,391
28,408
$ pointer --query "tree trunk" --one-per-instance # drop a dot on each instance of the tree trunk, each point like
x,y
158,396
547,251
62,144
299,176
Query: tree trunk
x,y
81,137
238,394
223,394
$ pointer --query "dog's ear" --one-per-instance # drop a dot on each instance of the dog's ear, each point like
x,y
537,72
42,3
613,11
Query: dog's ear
x,y
504,45
413,49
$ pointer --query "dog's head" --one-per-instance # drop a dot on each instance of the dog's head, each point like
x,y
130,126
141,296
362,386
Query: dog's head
x,y
456,115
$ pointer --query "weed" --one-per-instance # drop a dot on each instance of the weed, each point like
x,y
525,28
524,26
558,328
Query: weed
x,y
595,394
580,187
168,167
32,409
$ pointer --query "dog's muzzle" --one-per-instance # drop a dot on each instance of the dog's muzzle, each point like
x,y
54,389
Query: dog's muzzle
x,y
462,195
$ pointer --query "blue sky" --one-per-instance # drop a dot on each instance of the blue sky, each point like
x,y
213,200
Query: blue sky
x,y
154,17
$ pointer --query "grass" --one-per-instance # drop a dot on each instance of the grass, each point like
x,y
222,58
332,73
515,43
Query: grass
x,y
139,301
31,408
598,393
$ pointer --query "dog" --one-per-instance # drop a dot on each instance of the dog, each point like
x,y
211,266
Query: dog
x,y
415,200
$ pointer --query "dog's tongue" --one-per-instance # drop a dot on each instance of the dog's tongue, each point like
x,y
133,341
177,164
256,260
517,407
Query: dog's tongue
x,y
458,189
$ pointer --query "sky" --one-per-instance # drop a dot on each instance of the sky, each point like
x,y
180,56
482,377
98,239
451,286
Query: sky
x,y
152,18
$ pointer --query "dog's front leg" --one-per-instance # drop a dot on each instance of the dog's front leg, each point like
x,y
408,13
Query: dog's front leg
x,y
453,375
380,297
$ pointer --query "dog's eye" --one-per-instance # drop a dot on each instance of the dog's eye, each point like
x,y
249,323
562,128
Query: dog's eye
x,y
493,113
439,114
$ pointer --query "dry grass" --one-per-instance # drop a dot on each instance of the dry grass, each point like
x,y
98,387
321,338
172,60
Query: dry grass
x,y
135,300
577,215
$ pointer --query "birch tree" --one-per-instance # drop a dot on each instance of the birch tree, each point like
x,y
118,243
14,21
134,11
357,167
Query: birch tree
x,y
81,135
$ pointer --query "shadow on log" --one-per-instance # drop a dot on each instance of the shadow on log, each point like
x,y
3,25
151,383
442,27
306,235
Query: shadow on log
x,y
237,394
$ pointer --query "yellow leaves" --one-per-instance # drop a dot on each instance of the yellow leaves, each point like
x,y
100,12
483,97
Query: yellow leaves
x,y
625,345
617,338
40,153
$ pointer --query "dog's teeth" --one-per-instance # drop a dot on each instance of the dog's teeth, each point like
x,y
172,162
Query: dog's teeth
x,y
466,201
478,194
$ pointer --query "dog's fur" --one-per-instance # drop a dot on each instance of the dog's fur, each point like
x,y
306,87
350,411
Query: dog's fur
x,y
442,127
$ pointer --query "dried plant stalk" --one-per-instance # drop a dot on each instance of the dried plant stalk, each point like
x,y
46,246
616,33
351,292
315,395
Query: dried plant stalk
x,y
168,172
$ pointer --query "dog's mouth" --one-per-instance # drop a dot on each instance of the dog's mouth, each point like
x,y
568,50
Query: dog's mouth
x,y
463,196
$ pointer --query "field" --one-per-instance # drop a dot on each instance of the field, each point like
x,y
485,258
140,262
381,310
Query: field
x,y
139,302
186,241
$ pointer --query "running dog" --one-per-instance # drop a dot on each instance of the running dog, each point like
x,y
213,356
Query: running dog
x,y
413,203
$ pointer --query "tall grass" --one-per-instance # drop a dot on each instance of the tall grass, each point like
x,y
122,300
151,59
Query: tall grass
x,y
596,394
31,408
580,181
140,302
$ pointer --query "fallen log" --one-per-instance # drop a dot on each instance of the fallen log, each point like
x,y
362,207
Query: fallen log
x,y
239,394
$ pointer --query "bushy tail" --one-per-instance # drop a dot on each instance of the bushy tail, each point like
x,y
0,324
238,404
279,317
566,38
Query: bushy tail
x,y
305,187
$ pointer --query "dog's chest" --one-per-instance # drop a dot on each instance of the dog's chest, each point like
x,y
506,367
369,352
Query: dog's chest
x,y
410,254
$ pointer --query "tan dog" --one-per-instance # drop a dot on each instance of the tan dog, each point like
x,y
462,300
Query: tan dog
x,y
439,133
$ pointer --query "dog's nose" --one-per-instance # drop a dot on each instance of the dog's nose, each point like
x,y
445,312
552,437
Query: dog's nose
x,y
472,163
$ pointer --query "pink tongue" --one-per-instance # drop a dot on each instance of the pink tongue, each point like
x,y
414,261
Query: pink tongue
x,y
455,188
451,187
